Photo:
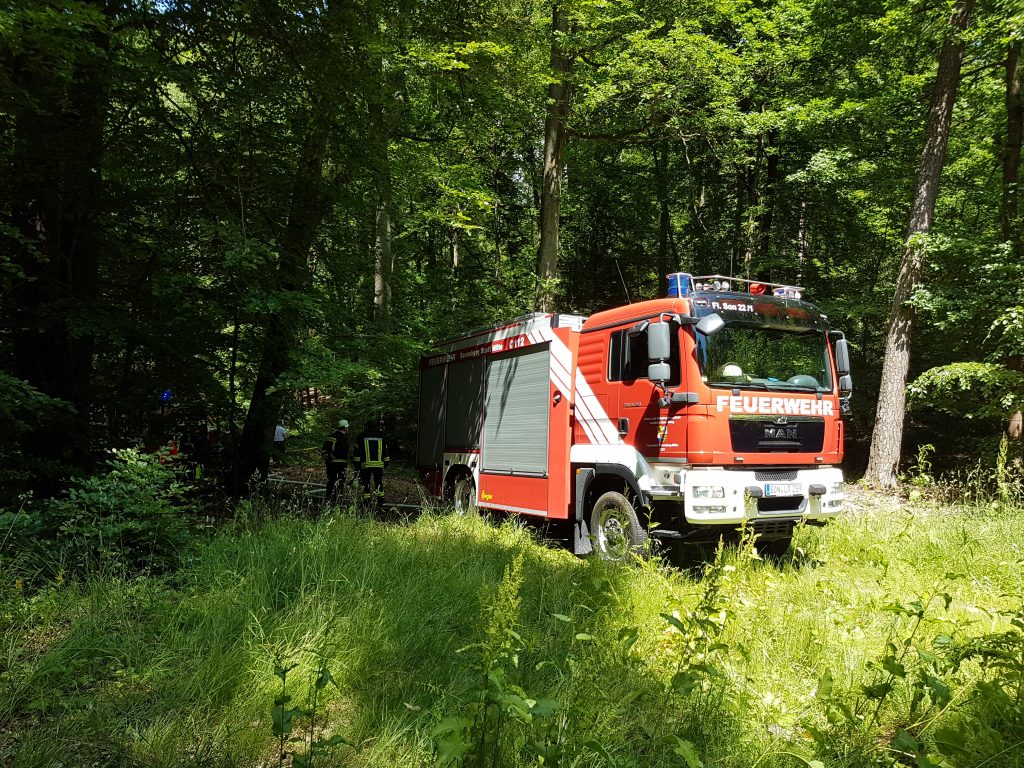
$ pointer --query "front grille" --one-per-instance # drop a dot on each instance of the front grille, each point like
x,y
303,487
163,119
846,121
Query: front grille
x,y
774,504
776,475
773,529
767,435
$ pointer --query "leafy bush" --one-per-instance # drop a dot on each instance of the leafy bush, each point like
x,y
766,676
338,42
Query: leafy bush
x,y
132,518
23,409
969,390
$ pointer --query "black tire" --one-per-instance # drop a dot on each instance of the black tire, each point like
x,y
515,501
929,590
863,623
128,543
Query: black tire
x,y
616,529
464,495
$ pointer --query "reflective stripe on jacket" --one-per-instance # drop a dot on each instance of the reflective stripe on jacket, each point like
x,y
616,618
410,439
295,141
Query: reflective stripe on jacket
x,y
371,452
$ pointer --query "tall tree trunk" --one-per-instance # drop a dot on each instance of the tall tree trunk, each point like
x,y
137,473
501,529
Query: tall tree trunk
x,y
453,247
887,437
1012,147
1011,225
383,260
737,220
664,218
559,93
1015,426
306,211
753,197
381,121
497,233
801,242
236,333
535,182
57,190
768,196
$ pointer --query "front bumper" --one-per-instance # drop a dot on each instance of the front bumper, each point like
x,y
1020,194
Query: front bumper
x,y
729,497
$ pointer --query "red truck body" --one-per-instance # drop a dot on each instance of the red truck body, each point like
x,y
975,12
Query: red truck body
x,y
546,414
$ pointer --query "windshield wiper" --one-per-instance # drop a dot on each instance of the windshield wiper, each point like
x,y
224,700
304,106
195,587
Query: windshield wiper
x,y
739,385
797,387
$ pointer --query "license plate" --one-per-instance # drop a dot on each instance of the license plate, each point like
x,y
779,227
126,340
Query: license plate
x,y
783,489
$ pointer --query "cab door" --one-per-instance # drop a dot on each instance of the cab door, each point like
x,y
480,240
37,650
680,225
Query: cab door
x,y
641,420
688,420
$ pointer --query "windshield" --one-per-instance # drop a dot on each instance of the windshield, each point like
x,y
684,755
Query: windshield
x,y
753,357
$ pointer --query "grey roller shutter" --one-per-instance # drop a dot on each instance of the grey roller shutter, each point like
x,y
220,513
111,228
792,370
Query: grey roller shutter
x,y
465,404
516,414
430,434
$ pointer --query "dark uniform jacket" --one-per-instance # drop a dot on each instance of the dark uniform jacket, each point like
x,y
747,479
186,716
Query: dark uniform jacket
x,y
335,447
371,450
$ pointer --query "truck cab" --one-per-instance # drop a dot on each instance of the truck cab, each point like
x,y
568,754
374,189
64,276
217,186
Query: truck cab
x,y
727,396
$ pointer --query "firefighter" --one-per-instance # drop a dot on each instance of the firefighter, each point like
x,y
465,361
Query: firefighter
x,y
280,442
335,453
199,451
370,456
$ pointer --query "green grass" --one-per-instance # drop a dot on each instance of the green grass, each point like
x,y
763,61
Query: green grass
x,y
410,617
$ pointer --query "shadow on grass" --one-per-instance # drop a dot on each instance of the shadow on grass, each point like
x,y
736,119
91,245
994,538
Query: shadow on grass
x,y
159,672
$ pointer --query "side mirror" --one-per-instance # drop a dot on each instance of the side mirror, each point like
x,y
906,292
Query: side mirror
x,y
845,385
659,349
711,324
659,342
842,349
659,373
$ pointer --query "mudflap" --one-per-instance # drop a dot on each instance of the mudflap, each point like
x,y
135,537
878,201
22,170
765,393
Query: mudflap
x,y
581,544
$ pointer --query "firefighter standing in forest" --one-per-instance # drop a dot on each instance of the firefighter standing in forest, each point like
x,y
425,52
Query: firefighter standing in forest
x,y
370,456
335,453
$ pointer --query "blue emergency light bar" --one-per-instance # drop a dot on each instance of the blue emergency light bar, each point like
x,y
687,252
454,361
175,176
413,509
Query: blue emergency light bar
x,y
683,283
679,284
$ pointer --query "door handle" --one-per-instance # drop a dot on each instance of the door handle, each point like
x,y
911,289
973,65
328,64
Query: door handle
x,y
623,426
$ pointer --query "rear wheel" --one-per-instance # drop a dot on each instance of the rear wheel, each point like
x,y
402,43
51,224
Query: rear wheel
x,y
616,528
464,496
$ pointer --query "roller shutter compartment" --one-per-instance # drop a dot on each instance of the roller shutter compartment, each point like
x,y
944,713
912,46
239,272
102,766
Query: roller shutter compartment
x,y
430,436
465,404
516,414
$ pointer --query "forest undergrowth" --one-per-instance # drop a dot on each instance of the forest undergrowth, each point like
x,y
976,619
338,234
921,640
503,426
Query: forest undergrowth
x,y
895,636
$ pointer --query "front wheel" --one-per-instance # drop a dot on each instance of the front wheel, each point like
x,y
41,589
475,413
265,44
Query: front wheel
x,y
616,528
464,496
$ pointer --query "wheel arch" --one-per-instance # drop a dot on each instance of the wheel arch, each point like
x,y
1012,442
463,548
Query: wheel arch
x,y
452,475
593,481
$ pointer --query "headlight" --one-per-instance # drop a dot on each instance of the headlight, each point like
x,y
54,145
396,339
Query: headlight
x,y
708,492
836,488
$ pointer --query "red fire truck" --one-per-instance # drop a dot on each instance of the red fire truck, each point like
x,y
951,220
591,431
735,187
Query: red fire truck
x,y
677,418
